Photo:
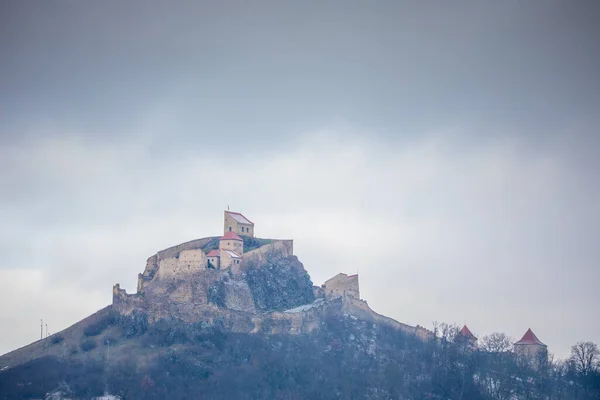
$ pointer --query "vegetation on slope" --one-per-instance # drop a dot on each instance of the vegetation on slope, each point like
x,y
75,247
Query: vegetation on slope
x,y
250,243
346,359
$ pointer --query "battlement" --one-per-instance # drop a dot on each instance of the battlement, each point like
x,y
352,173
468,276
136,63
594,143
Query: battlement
x,y
283,248
342,285
206,279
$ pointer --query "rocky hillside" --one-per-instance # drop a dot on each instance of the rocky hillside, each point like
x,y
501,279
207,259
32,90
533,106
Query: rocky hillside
x,y
347,358
262,332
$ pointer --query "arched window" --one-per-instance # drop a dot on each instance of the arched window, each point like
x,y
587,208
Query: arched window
x,y
229,229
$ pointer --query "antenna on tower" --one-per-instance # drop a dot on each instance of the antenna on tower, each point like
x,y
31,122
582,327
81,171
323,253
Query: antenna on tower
x,y
227,207
41,329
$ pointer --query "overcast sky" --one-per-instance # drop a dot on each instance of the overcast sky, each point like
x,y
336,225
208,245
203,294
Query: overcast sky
x,y
447,151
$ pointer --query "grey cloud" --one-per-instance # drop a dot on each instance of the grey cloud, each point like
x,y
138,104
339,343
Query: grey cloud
x,y
268,71
448,153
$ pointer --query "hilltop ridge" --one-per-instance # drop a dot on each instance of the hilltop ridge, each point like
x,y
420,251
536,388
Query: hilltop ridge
x,y
270,284
196,302
268,292
238,316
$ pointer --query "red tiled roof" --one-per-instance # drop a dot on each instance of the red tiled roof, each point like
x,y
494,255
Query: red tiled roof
x,y
231,236
213,253
467,333
237,216
530,338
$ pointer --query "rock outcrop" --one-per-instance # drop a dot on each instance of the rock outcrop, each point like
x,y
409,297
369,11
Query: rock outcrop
x,y
270,292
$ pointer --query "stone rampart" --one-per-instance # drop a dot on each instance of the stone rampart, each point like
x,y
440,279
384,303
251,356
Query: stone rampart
x,y
342,285
178,259
240,314
282,248
188,262
318,292
191,245
124,303
361,310
176,283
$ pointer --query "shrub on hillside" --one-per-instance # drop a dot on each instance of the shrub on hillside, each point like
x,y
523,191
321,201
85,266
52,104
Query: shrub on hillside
x,y
133,325
216,294
56,339
112,339
88,345
212,244
97,327
251,243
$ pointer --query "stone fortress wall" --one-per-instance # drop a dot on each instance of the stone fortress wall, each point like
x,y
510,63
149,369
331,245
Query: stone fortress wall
x,y
346,287
360,309
530,351
342,285
284,248
180,275
177,282
173,260
187,262
179,285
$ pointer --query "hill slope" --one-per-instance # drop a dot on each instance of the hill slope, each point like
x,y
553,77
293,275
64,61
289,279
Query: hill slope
x,y
262,332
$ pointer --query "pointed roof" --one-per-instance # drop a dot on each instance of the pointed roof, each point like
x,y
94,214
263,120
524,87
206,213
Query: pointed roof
x,y
231,236
530,338
467,333
239,217
214,253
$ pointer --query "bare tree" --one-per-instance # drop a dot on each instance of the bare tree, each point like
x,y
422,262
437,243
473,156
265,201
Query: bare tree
x,y
585,357
496,342
446,332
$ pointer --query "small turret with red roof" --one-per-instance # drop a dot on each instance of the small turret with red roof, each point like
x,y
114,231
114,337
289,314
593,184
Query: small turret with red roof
x,y
466,335
530,346
529,338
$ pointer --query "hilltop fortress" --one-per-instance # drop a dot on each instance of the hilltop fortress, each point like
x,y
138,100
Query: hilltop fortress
x,y
237,283
245,284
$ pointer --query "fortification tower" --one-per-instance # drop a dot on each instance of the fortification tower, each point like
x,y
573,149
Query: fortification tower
x,y
342,285
530,346
466,336
237,223
231,241
231,248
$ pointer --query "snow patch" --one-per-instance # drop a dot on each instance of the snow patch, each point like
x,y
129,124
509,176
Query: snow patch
x,y
305,307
